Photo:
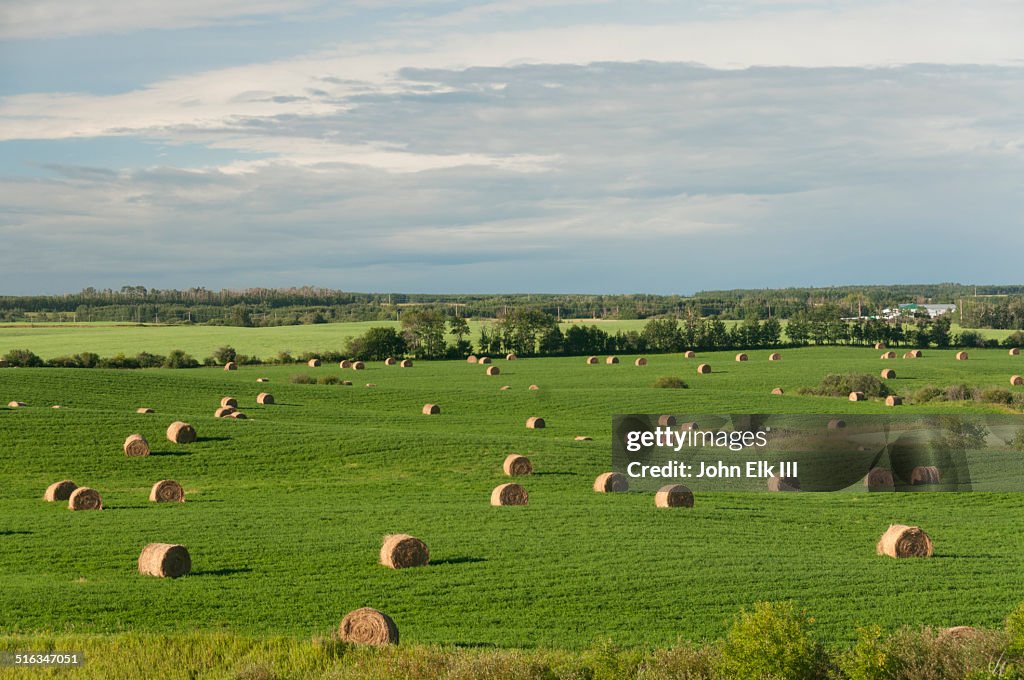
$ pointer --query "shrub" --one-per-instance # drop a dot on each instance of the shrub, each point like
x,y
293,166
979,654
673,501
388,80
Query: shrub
x,y
300,379
23,358
772,641
961,392
997,395
971,339
179,359
927,393
868,660
1015,339
225,354
119,361
328,380
1018,441
671,382
834,385
285,357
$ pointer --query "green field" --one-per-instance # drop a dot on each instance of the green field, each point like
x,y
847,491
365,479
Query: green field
x,y
286,510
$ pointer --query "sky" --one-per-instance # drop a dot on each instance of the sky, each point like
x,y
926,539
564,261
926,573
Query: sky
x,y
573,146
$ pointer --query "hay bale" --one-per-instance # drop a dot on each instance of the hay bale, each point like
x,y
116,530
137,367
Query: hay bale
x,y
673,496
689,354
704,368
358,366
591,360
405,363
893,400
777,390
961,356
181,433
1015,351
900,540
611,482
471,359
1016,380
238,415
265,398
167,491
776,483
367,626
224,411
136,445
687,427
164,560
371,384
836,424
879,479
889,355
344,363
640,361
913,354
516,465
84,498
666,421
16,404
611,360
3,363
231,366
887,374
583,438
484,360
431,409
229,401
535,423
493,370
262,380
880,345
510,357
313,363
400,551
924,474
509,494
774,356
534,387
742,357
346,382
144,409
857,396
503,388
59,491
56,406
390,361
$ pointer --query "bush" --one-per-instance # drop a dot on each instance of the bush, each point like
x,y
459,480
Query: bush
x,y
23,358
179,359
772,641
671,382
147,360
927,393
961,392
1015,339
285,357
971,339
328,380
300,379
1018,441
224,354
997,395
119,361
834,385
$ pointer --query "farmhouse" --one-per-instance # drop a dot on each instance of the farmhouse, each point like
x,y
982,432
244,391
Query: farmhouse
x,y
912,309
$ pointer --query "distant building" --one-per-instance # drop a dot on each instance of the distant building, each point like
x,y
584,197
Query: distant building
x,y
912,309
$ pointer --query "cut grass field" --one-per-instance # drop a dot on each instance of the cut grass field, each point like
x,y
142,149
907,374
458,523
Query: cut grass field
x,y
286,511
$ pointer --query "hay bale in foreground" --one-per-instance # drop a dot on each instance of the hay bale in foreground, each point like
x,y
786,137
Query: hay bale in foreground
x,y
164,560
611,360
961,356
136,445
224,411
673,496
924,474
400,551
776,483
181,433
893,400
900,540
471,359
431,409
1015,351
484,360
742,357
229,401
591,360
703,369
666,421
510,357
313,363
265,398
774,356
509,494
640,361
611,482
1016,380
231,366
493,370
889,355
405,363
367,626
534,387
144,409
879,479
777,390
344,363
516,465
535,423
358,366
167,491
84,498
390,361
857,396
16,404
59,491
888,374
262,380
689,354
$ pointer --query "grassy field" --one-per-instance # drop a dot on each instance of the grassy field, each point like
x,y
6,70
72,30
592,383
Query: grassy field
x,y
286,510
55,340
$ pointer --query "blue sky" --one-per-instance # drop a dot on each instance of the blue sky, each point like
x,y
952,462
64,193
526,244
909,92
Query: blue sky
x,y
512,145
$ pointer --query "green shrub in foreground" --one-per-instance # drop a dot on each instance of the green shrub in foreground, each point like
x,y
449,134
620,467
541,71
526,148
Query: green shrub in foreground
x,y
772,641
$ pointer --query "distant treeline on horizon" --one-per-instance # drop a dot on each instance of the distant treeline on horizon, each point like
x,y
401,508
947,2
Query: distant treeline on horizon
x,y
978,306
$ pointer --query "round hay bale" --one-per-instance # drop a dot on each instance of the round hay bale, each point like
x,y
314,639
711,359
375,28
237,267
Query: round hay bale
x,y
262,380
265,398
961,356
583,438
535,423
591,360
1016,380
346,382
358,366
776,483
913,354
471,359
144,409
402,550
59,491
16,404
889,355
484,360
231,366
406,363
673,496
367,626
390,361
924,474
880,345
493,370
534,387
167,491
181,433
313,363
431,409
238,415
888,374
344,363
611,360
900,540
509,494
136,445
704,368
742,357
640,361
836,424
611,482
84,498
503,388
666,421
164,560
857,396
510,357
774,356
56,406
879,479
777,390
371,384
688,427
1015,351
229,401
516,465
224,411
893,400
689,354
